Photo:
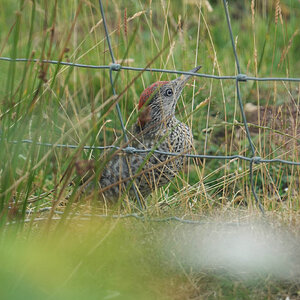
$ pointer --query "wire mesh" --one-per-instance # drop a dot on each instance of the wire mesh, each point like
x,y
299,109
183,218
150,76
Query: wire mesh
x,y
115,67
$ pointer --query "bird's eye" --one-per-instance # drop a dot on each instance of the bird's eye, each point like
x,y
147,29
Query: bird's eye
x,y
169,92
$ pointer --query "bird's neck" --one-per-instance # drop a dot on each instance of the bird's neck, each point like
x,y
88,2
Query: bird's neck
x,y
153,127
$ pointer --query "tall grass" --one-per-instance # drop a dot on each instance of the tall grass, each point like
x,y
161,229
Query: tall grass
x,y
63,104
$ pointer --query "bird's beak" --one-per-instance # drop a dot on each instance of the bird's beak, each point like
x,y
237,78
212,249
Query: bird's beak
x,y
182,80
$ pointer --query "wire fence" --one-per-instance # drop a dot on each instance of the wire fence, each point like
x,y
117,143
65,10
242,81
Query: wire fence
x,y
136,216
115,67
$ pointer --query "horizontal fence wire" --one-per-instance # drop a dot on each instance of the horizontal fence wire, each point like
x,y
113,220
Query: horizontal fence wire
x,y
132,150
239,78
139,217
117,67
143,218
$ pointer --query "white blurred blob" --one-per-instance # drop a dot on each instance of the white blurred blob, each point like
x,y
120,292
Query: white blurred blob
x,y
243,250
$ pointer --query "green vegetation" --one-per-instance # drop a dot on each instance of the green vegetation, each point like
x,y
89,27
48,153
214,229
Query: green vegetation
x,y
66,105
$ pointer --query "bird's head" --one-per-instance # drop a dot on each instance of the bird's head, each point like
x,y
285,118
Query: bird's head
x,y
158,101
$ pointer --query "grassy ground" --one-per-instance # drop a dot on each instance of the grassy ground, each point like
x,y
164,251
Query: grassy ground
x,y
62,104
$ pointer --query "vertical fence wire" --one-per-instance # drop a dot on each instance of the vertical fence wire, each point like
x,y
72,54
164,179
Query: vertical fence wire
x,y
241,77
114,67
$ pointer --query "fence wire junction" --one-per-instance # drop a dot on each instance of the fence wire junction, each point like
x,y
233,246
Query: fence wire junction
x,y
115,67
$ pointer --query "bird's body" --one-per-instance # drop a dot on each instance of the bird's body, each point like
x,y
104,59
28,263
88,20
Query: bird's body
x,y
157,169
156,129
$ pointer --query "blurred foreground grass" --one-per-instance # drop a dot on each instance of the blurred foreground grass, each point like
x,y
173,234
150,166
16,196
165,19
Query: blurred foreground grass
x,y
237,257
83,260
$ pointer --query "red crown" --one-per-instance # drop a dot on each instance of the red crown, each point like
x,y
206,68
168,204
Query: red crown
x,y
149,90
